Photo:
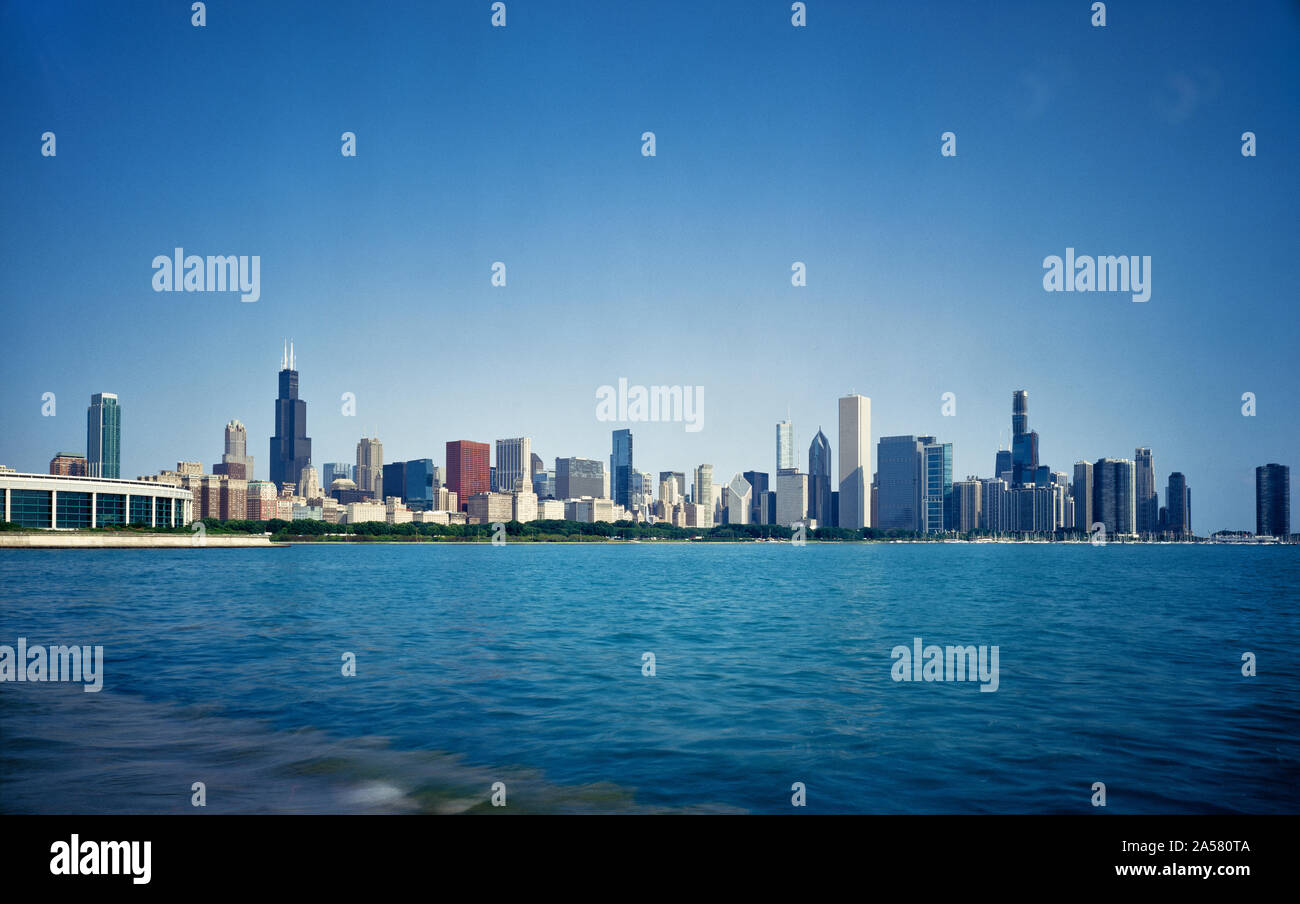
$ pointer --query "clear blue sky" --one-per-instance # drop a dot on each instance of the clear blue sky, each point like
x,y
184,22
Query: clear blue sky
x,y
775,144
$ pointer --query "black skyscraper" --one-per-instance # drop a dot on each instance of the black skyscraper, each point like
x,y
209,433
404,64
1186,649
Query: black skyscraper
x,y
290,446
1273,500
1024,442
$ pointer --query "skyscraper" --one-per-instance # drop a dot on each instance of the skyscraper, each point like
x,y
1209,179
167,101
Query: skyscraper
x,y
1273,500
1148,502
235,460
1024,442
370,467
467,469
419,482
737,498
758,505
394,482
290,446
899,483
578,477
1114,501
1178,506
936,485
855,461
702,494
679,478
791,496
1082,491
620,468
785,446
819,480
104,436
514,464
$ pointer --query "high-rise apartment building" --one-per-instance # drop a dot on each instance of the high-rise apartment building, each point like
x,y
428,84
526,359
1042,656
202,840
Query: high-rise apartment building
x,y
621,471
791,496
702,495
1178,506
1148,502
1273,500
68,464
1082,491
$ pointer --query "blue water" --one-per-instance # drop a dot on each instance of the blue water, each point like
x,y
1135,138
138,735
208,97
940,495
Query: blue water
x,y
523,664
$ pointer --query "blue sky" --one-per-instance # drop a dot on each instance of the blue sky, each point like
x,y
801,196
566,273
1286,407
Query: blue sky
x,y
774,145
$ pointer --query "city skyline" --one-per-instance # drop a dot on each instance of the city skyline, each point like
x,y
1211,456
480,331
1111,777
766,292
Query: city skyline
x,y
932,502
372,262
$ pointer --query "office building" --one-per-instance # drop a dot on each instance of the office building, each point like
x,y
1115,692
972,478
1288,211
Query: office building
x,y
936,485
514,464
578,477
738,498
235,460
702,496
1024,442
819,479
290,446
791,497
785,446
968,498
855,461
1114,502
104,436
468,469
898,483
370,467
757,481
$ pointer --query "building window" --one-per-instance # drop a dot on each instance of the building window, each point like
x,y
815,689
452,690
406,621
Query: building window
x,y
164,511
30,508
141,510
110,508
74,510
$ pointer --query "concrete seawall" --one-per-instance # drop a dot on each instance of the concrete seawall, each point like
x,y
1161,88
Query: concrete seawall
x,y
74,540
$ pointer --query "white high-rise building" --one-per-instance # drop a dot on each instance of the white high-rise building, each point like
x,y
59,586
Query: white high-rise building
x,y
785,446
855,462
514,464
703,495
791,497
738,495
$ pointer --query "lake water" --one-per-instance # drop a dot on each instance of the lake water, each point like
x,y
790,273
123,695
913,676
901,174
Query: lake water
x,y
523,664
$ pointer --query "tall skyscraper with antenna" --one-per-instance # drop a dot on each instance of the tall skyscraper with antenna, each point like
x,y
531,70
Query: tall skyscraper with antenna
x,y
290,446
